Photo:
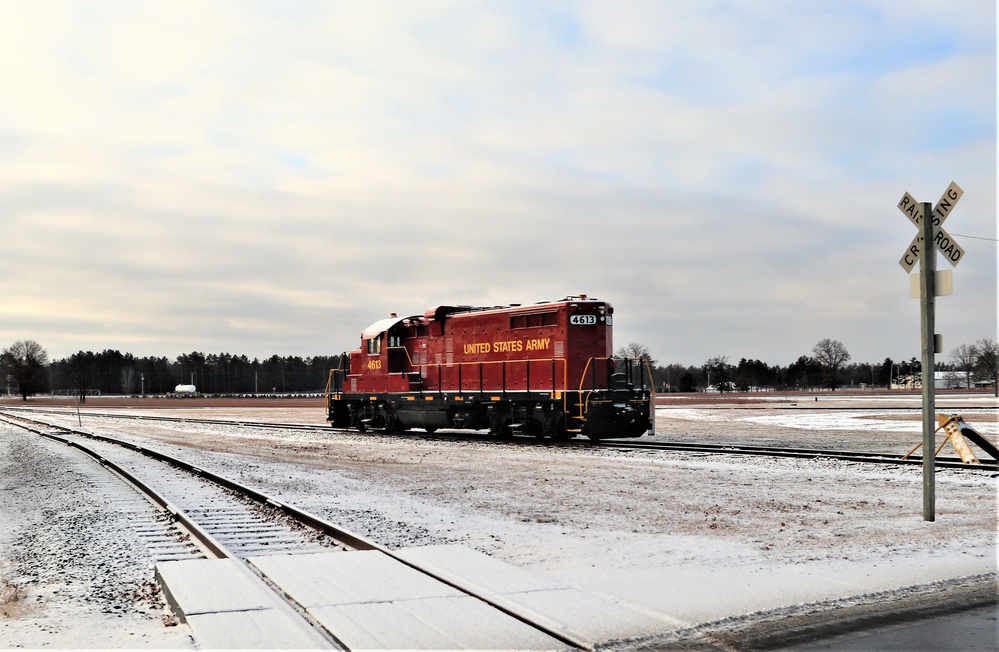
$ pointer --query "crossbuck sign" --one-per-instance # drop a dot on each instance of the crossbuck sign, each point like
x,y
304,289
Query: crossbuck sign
x,y
941,239
930,225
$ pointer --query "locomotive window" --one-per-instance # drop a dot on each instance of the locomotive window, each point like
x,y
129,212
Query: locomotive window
x,y
535,320
375,345
422,331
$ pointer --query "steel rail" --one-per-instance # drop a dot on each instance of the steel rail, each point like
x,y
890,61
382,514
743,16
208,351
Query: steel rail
x,y
343,536
806,407
731,449
720,449
806,453
724,449
198,420
209,544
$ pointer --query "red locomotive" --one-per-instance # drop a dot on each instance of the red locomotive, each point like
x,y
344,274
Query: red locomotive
x,y
544,370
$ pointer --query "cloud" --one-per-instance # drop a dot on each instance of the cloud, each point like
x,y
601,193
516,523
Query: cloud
x,y
271,177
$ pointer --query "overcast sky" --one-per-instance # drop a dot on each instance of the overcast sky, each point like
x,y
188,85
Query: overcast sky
x,y
271,177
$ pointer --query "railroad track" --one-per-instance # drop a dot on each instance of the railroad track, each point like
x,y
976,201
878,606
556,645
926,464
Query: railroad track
x,y
942,462
802,453
209,517
263,503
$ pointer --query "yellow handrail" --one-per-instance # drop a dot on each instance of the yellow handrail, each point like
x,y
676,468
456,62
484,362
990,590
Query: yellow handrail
x,y
584,403
429,365
583,394
329,379
563,387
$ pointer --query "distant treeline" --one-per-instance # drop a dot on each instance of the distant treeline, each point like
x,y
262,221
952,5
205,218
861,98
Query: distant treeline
x,y
113,372
971,365
26,370
805,373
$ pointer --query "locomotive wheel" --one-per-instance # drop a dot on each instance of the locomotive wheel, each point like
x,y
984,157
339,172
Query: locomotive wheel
x,y
499,423
503,431
559,433
430,430
356,418
536,429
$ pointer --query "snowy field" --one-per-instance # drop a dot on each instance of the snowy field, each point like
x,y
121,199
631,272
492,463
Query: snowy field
x,y
692,539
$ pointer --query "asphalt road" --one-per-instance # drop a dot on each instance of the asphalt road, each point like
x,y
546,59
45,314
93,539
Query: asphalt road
x,y
973,630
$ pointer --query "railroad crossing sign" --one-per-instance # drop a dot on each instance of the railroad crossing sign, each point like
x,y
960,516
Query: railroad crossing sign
x,y
930,225
941,239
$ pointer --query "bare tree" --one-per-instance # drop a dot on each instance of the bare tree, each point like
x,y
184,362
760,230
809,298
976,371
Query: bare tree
x,y
25,362
635,361
636,350
717,368
964,358
987,360
81,370
129,379
832,355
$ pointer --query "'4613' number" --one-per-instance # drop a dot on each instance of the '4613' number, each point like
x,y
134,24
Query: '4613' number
x,y
583,320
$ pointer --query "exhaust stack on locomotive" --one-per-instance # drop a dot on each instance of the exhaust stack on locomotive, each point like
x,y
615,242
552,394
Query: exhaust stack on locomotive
x,y
544,370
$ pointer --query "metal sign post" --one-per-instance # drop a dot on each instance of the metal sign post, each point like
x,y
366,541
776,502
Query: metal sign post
x,y
927,267
930,238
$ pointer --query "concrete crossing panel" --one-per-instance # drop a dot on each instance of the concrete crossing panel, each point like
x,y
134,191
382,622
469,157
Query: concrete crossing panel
x,y
368,600
581,615
228,607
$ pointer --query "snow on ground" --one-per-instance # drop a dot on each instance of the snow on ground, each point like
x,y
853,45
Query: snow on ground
x,y
862,421
693,538
58,588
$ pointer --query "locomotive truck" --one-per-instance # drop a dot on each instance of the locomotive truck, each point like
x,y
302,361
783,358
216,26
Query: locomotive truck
x,y
544,370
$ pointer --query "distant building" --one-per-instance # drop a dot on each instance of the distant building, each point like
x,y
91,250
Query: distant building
x,y
951,380
941,380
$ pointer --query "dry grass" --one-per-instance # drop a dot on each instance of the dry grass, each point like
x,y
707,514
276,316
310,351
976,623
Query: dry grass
x,y
12,599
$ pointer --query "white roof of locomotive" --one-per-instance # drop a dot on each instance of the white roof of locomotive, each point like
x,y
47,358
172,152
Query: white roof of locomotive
x,y
380,326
